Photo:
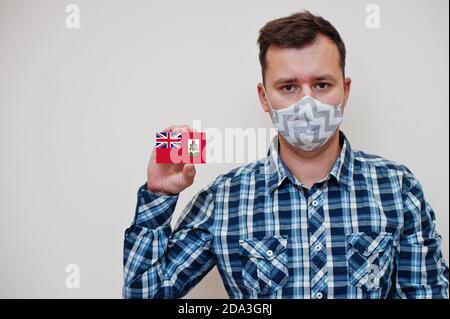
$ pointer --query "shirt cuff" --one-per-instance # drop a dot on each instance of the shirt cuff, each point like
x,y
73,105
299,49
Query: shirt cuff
x,y
154,210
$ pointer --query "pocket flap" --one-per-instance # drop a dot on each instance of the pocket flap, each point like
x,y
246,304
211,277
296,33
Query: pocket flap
x,y
267,248
367,243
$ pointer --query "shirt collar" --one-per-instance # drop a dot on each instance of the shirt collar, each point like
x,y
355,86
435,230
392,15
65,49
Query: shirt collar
x,y
277,171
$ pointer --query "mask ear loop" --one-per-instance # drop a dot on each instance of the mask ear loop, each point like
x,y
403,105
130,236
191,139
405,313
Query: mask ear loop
x,y
342,100
267,98
340,104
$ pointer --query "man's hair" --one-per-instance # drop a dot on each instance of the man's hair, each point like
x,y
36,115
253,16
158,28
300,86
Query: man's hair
x,y
297,31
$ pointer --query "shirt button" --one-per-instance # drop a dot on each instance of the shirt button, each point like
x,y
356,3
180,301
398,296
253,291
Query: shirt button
x,y
269,253
373,270
319,295
315,203
318,247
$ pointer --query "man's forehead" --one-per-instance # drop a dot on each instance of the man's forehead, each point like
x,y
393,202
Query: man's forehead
x,y
315,59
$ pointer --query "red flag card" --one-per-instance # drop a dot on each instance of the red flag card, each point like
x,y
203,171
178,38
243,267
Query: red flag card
x,y
180,147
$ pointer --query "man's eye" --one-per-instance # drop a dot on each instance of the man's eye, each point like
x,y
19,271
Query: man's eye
x,y
322,86
288,88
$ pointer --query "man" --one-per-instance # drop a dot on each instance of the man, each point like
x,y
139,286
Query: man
x,y
314,219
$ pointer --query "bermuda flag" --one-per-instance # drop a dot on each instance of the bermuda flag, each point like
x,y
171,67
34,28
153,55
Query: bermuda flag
x,y
180,147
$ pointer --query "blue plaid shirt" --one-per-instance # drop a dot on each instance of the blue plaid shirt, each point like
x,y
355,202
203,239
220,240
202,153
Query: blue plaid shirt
x,y
364,231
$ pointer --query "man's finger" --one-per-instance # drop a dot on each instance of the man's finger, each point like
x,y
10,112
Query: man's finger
x,y
176,127
188,174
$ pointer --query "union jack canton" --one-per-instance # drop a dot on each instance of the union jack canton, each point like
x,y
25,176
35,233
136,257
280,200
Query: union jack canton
x,y
168,140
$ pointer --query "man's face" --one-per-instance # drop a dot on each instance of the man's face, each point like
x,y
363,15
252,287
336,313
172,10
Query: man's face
x,y
313,70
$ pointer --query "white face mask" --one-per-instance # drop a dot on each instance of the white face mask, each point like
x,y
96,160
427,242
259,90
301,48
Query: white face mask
x,y
308,123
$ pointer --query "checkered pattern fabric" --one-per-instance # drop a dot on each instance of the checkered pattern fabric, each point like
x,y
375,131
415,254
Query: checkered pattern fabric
x,y
364,231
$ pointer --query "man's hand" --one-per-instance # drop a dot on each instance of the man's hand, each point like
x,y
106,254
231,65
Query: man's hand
x,y
169,179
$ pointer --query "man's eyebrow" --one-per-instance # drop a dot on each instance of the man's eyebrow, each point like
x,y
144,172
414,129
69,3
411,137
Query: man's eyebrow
x,y
325,77
284,81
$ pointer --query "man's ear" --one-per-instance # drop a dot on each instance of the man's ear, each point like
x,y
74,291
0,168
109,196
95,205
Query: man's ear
x,y
347,86
262,98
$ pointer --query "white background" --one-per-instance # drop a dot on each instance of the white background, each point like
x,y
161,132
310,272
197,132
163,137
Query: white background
x,y
79,108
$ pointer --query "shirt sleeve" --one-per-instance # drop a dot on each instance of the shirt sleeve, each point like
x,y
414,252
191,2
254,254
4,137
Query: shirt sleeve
x,y
159,263
421,271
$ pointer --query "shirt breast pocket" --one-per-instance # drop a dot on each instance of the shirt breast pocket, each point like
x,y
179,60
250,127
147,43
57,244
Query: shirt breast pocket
x,y
369,259
264,263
